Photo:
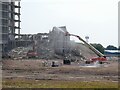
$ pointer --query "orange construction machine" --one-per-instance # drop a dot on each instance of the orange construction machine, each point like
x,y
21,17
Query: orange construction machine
x,y
101,58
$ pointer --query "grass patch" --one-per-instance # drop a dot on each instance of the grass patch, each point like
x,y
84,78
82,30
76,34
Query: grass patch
x,y
57,84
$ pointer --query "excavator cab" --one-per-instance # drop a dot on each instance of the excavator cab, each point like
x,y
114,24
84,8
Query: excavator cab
x,y
100,59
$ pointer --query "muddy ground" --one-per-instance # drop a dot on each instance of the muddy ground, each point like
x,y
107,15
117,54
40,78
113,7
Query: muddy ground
x,y
35,70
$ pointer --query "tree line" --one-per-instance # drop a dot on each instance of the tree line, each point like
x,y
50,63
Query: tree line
x,y
100,48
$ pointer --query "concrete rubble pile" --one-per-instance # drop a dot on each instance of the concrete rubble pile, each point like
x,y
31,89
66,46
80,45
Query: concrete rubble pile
x,y
54,45
46,52
19,52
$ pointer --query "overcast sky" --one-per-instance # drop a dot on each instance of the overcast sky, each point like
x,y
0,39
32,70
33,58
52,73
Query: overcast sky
x,y
97,19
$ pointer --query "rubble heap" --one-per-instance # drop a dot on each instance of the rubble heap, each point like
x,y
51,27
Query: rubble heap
x,y
45,51
54,45
19,52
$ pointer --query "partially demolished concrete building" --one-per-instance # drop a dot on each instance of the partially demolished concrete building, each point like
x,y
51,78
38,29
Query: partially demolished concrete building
x,y
10,36
54,44
58,40
9,24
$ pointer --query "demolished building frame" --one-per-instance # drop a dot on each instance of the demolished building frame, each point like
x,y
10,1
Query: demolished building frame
x,y
9,25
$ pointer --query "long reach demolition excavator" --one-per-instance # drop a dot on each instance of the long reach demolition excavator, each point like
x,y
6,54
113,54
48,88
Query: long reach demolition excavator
x,y
101,58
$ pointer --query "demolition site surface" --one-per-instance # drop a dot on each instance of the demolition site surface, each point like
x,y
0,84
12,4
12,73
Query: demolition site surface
x,y
54,61
49,60
39,74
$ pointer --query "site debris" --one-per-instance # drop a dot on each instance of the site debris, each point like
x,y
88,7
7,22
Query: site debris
x,y
49,56
52,45
18,53
53,56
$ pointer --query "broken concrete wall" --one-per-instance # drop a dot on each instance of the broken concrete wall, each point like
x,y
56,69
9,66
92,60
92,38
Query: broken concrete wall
x,y
59,42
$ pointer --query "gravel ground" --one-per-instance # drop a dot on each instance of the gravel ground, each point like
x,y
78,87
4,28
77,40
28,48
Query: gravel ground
x,y
34,70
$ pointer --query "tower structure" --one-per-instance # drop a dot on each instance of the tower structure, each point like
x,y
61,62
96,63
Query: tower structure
x,y
87,37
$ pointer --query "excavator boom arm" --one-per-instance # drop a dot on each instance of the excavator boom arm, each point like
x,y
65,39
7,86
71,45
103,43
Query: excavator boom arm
x,y
88,45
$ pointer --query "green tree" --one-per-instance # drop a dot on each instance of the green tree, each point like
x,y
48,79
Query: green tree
x,y
99,47
111,47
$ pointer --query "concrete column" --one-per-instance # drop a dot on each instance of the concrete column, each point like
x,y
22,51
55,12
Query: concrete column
x,y
0,46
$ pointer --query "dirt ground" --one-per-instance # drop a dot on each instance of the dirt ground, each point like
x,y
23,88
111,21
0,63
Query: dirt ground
x,y
35,70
